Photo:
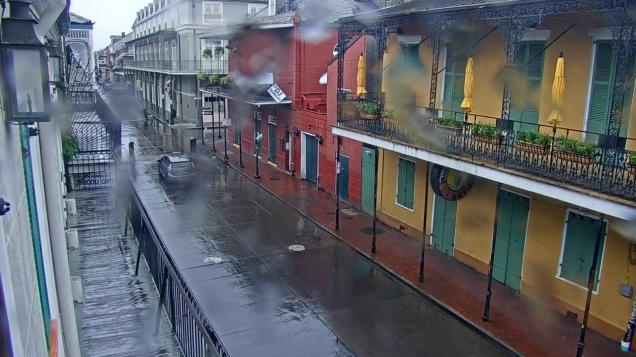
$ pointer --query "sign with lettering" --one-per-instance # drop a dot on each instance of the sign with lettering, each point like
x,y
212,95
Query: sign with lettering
x,y
276,93
452,185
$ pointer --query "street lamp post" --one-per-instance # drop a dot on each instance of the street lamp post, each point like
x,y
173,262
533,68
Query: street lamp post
x,y
225,158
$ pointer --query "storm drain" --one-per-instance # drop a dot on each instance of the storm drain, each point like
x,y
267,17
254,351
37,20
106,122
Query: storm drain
x,y
274,178
369,230
296,248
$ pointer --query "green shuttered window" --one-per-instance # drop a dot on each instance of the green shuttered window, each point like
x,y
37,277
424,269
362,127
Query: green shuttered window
x,y
526,97
454,80
578,249
602,90
405,183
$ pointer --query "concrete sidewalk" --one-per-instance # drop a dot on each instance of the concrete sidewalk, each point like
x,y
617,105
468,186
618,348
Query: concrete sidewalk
x,y
525,325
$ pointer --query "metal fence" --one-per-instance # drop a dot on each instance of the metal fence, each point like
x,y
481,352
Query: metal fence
x,y
573,157
194,333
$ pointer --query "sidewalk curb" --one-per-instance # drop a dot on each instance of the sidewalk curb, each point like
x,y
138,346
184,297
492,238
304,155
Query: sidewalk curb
x,y
454,313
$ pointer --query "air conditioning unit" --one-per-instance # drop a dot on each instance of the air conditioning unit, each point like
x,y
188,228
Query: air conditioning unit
x,y
72,239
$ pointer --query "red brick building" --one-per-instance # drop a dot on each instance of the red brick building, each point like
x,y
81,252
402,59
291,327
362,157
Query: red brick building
x,y
296,132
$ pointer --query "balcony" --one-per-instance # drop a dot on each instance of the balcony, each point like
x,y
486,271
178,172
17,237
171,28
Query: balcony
x,y
186,67
560,156
253,95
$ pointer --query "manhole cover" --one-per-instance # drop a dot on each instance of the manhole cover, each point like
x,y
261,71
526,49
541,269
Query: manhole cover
x,y
275,178
369,230
296,248
213,260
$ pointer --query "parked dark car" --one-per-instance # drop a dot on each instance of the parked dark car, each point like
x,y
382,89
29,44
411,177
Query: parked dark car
x,y
175,168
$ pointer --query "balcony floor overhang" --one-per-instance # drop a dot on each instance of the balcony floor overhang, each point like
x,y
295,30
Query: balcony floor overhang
x,y
162,71
608,205
256,102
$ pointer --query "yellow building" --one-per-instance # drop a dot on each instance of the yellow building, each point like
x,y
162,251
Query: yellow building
x,y
547,192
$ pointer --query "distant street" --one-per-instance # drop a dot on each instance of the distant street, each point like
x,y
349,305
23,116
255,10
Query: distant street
x,y
235,245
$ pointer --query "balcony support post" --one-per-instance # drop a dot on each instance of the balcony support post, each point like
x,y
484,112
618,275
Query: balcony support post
x,y
436,44
341,49
591,280
486,316
425,223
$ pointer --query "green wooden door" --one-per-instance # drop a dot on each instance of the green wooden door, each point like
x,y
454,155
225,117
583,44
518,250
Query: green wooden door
x,y
311,158
512,219
527,96
444,225
368,179
343,178
271,128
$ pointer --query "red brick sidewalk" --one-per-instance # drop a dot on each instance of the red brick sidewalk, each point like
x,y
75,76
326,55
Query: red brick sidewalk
x,y
525,325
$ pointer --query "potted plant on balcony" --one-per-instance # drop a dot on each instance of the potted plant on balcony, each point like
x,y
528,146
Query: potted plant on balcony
x,y
214,80
533,142
631,162
450,126
368,110
576,151
203,79
487,133
225,81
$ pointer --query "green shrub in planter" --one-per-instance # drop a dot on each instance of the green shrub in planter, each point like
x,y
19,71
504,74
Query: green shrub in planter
x,y
69,146
214,79
576,146
534,137
632,158
368,108
207,52
218,51
487,130
202,76
387,114
224,81
451,122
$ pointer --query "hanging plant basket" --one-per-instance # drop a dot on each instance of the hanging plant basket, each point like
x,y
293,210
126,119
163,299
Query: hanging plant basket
x,y
574,157
531,148
491,140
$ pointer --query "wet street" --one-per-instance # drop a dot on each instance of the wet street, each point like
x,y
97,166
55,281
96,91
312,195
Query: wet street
x,y
272,283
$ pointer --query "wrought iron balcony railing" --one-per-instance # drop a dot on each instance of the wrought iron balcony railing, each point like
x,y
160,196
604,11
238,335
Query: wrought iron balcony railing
x,y
212,66
566,156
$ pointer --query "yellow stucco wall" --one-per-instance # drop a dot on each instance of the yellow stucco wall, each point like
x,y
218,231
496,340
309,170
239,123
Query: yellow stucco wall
x,y
609,310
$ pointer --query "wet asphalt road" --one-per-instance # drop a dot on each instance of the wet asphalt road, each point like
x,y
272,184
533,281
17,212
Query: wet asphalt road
x,y
265,300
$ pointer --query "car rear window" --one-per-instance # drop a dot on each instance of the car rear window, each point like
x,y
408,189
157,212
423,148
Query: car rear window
x,y
180,168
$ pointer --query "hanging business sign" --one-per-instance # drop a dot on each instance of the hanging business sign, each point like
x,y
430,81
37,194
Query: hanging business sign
x,y
276,93
452,185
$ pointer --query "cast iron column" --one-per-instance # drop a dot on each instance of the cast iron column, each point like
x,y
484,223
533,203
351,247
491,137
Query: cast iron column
x,y
424,236
591,279
486,316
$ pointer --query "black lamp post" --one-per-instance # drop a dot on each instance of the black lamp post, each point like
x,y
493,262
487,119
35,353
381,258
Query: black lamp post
x,y
25,66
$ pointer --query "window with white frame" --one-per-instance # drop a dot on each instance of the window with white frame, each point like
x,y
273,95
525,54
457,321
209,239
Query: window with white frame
x,y
212,12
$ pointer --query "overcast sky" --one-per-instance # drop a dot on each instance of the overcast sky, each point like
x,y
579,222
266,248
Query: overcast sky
x,y
111,17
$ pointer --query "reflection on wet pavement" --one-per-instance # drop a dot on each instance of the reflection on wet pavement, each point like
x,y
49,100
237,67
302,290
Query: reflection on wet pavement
x,y
263,298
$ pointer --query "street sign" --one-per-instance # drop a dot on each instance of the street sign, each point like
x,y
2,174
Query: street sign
x,y
95,180
276,93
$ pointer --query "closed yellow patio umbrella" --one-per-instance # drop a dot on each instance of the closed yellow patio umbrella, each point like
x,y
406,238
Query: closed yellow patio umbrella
x,y
558,91
362,76
467,103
